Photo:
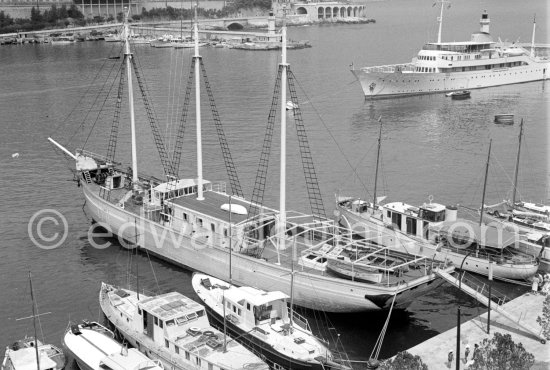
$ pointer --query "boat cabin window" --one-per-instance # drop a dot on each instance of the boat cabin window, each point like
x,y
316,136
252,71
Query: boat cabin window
x,y
166,343
199,221
185,216
192,316
161,323
187,356
396,219
200,313
177,349
213,227
225,232
431,216
156,320
262,312
170,323
181,320
248,306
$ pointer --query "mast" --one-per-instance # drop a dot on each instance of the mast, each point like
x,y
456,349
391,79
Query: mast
x,y
200,195
485,183
224,323
292,284
127,57
230,251
517,165
440,20
34,324
374,202
533,37
282,184
137,264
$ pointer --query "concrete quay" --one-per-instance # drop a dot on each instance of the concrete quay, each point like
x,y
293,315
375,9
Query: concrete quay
x,y
527,307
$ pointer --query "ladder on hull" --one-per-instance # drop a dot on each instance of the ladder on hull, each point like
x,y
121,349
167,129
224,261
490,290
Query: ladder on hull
x,y
476,289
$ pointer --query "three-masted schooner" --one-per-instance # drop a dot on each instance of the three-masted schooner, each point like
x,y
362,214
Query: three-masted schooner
x,y
186,220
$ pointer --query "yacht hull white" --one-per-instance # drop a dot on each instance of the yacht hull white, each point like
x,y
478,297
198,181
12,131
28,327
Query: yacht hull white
x,y
451,66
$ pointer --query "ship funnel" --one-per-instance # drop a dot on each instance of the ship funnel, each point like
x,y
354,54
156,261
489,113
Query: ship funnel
x,y
484,22
450,213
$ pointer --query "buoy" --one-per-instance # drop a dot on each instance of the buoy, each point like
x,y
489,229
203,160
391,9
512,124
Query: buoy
x,y
15,155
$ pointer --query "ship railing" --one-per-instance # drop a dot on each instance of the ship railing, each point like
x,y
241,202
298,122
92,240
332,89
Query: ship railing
x,y
95,156
219,187
390,68
149,364
105,193
301,321
483,289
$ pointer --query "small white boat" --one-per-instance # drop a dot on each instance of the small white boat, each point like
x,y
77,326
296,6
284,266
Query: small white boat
x,y
460,95
21,355
263,322
30,354
94,348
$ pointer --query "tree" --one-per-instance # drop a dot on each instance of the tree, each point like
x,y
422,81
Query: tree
x,y
544,321
36,17
5,20
501,353
403,360
74,12
62,12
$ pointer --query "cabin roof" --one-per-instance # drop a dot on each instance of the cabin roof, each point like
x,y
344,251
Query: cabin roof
x,y
170,305
211,205
256,297
178,184
484,235
403,207
25,359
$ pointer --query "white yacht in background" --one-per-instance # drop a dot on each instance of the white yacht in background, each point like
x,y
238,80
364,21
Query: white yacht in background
x,y
458,65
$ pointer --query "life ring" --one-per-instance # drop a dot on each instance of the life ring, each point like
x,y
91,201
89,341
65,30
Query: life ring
x,y
209,333
195,329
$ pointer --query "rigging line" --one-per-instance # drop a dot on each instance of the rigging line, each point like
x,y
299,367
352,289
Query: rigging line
x,y
170,99
153,270
102,88
145,86
107,96
378,344
329,131
179,83
78,104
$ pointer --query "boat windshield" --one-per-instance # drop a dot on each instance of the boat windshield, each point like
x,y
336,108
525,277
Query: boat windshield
x,y
431,216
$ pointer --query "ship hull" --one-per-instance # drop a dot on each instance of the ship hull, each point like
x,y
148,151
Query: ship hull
x,y
394,84
314,291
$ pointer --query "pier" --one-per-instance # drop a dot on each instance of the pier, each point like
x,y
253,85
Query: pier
x,y
526,308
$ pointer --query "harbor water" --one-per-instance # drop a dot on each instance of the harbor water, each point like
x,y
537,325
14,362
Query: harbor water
x,y
432,148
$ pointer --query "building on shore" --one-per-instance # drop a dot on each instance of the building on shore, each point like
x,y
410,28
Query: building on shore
x,y
319,11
